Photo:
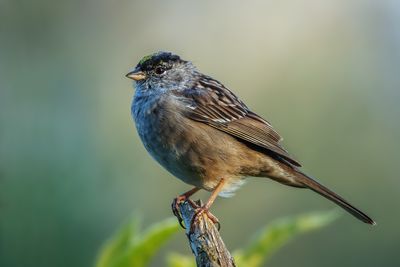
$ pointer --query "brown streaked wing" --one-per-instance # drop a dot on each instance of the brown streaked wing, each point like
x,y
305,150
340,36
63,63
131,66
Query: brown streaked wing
x,y
217,106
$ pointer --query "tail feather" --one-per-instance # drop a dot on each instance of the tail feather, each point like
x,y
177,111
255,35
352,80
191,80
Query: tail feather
x,y
325,192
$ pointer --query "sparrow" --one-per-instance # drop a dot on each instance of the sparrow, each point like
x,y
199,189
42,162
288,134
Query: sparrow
x,y
203,134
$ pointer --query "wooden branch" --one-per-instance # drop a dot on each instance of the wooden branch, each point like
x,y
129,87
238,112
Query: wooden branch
x,y
205,241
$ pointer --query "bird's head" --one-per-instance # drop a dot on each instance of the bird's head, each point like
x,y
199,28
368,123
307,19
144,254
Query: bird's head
x,y
162,71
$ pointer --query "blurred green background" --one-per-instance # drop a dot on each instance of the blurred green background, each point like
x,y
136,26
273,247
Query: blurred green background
x,y
72,168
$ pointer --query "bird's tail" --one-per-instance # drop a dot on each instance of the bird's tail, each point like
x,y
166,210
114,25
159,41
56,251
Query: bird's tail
x,y
309,182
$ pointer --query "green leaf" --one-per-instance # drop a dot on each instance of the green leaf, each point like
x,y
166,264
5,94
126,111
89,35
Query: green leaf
x,y
129,248
277,234
178,260
113,248
151,242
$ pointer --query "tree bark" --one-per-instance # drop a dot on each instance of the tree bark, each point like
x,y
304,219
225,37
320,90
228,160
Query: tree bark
x,y
205,241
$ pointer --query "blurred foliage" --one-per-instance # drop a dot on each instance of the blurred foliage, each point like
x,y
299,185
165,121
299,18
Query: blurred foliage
x,y
179,260
130,248
276,234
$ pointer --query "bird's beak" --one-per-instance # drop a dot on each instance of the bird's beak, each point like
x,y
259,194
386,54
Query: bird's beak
x,y
136,75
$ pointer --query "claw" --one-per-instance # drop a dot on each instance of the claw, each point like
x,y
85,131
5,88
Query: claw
x,y
200,211
175,209
181,198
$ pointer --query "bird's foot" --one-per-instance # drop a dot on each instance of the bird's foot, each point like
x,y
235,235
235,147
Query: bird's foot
x,y
175,207
203,211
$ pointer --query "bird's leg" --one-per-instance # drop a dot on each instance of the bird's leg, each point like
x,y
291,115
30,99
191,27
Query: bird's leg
x,y
206,207
181,198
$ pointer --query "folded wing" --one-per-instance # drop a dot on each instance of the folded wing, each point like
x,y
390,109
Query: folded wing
x,y
214,104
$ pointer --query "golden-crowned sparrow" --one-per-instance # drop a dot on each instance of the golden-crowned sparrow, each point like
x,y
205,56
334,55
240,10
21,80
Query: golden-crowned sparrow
x,y
203,134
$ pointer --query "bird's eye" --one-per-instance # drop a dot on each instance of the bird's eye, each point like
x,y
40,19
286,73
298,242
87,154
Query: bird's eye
x,y
159,70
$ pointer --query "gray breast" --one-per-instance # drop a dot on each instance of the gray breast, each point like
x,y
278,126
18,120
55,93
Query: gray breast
x,y
166,134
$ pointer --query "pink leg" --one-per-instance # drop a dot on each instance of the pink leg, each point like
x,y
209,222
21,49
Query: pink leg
x,y
206,207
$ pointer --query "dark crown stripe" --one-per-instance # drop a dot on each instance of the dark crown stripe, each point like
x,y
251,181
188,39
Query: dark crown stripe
x,y
155,58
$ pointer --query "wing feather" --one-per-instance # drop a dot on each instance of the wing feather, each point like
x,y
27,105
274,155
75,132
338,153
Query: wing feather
x,y
214,104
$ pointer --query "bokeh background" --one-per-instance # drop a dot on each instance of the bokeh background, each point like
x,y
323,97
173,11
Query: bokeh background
x,y
72,168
